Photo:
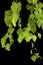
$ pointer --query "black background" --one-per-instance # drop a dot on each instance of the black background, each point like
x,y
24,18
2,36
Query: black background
x,y
19,53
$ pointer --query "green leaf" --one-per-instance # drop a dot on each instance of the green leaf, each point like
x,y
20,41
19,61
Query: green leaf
x,y
10,36
19,31
37,15
8,17
40,5
8,13
33,58
29,1
31,16
31,52
7,47
39,35
38,56
5,36
26,31
8,20
3,40
11,41
20,40
19,6
28,37
42,16
29,7
10,30
20,37
32,1
15,18
14,22
32,25
39,23
20,23
14,7
34,37
40,10
42,25
33,29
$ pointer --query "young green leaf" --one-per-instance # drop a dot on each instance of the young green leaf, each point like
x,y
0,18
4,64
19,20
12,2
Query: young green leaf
x,y
11,41
31,52
34,37
7,47
8,13
15,18
40,5
26,31
20,40
33,29
38,56
33,58
20,37
28,37
37,15
39,23
39,35
40,10
19,31
31,16
10,30
42,26
14,7
8,20
3,41
32,1
19,7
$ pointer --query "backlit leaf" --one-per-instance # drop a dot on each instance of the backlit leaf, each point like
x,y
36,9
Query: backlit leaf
x,y
15,18
31,52
3,41
14,7
7,47
37,15
11,41
8,13
31,16
40,5
32,1
10,30
39,10
33,58
28,37
34,37
39,23
39,35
